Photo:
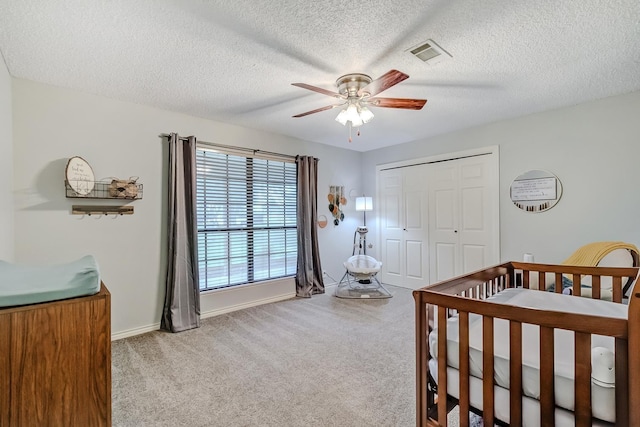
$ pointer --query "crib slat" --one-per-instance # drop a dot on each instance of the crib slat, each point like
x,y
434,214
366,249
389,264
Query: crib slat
x,y
515,373
442,365
617,290
525,279
558,285
633,353
487,370
424,396
463,402
542,278
595,287
582,382
577,290
622,383
547,383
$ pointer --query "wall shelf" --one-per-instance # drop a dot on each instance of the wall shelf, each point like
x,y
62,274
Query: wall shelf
x,y
103,190
101,210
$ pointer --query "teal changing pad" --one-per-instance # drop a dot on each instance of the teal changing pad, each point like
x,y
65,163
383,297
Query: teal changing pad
x,y
21,284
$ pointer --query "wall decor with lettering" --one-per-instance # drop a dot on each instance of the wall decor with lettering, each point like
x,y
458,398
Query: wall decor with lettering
x,y
80,176
536,191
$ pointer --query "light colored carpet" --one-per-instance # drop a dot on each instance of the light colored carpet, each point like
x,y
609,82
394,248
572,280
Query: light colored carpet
x,y
322,361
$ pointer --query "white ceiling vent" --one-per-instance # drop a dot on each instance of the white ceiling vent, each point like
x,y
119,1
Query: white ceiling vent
x,y
429,52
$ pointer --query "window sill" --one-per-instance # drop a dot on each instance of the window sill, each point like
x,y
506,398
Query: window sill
x,y
225,300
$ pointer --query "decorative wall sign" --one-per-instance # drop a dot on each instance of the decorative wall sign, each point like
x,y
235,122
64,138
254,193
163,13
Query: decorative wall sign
x,y
536,191
80,176
336,200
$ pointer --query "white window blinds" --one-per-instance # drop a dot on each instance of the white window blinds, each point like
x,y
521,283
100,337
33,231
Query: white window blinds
x,y
246,218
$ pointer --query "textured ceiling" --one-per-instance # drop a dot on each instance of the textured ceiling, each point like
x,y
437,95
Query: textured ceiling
x,y
234,61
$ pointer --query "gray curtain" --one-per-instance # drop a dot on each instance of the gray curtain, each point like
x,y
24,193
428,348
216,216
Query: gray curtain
x,y
309,273
182,298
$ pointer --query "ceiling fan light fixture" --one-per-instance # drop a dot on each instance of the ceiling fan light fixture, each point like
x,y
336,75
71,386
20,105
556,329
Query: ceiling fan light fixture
x,y
353,116
357,91
354,113
342,117
365,114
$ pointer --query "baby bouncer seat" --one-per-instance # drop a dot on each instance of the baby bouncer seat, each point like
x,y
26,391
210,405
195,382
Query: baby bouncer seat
x,y
359,279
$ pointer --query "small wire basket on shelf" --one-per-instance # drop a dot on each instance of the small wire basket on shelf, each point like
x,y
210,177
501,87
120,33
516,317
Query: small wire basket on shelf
x,y
123,189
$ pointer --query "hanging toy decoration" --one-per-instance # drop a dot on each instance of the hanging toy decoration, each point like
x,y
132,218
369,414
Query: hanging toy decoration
x,y
336,200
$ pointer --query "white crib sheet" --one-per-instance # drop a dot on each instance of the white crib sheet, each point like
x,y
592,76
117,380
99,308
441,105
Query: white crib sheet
x,y
603,395
530,406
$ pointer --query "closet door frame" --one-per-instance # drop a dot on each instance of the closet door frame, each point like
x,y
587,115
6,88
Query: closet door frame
x,y
494,153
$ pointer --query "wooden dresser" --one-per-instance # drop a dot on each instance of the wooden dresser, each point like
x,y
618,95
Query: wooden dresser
x,y
55,363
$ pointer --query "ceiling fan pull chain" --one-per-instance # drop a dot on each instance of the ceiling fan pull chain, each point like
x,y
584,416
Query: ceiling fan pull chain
x,y
350,132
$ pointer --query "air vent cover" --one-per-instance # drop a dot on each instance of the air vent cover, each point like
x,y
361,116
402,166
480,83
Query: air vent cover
x,y
429,52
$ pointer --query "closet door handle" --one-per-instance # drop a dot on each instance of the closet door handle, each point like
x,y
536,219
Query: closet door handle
x,y
404,229
455,231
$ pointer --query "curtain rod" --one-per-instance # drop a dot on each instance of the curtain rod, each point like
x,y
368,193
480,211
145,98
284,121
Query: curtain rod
x,y
230,147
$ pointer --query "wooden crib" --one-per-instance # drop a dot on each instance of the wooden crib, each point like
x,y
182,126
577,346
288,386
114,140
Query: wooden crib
x,y
456,300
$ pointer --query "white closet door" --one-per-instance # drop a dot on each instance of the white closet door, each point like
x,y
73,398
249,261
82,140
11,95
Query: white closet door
x,y
443,220
461,226
404,227
416,227
477,245
391,229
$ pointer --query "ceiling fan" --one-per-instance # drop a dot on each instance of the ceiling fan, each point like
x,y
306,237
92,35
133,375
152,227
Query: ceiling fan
x,y
357,92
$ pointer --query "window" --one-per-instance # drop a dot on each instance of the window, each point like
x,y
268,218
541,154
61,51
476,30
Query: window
x,y
246,218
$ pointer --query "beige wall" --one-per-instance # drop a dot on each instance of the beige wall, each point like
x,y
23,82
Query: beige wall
x,y
594,148
6,165
121,139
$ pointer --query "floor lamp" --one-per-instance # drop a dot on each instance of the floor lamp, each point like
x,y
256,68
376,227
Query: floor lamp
x,y
363,204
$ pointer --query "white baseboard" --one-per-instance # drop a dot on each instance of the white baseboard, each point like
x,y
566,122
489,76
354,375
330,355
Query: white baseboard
x,y
229,309
204,315
135,331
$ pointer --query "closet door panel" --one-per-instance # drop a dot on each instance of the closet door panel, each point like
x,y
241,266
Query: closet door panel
x,y
393,257
443,262
445,210
391,214
415,267
414,211
474,257
472,210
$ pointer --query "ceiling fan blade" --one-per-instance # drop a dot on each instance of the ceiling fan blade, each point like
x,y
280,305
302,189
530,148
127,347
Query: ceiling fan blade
x,y
391,78
317,110
409,104
318,89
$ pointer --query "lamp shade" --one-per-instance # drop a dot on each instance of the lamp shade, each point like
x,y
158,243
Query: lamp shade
x,y
366,115
342,117
364,204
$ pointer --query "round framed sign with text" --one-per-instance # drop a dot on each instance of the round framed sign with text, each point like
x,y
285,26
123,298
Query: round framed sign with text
x,y
80,176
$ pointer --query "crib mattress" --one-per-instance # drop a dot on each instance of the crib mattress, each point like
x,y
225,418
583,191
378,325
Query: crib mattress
x,y
22,285
603,390
530,406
